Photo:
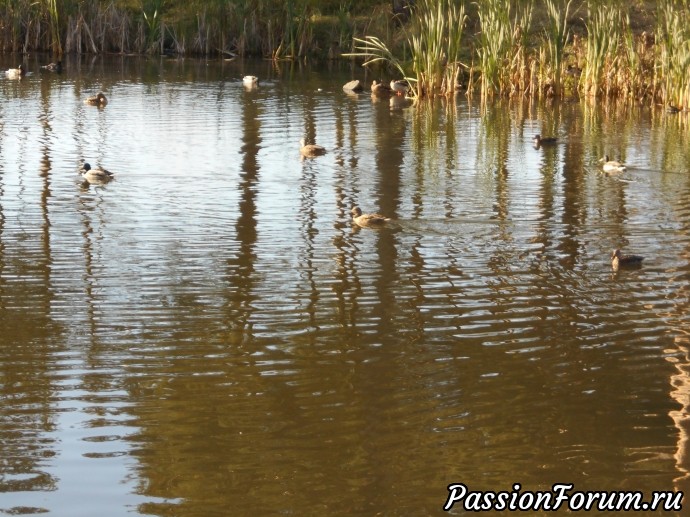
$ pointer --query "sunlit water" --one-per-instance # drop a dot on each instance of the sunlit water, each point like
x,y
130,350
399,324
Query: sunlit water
x,y
209,334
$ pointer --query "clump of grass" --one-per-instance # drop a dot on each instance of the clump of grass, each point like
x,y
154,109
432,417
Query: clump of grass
x,y
434,42
556,38
374,50
603,37
673,41
502,46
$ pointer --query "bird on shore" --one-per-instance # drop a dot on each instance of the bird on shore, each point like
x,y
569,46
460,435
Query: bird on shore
x,y
16,73
620,260
97,175
399,87
310,150
250,80
539,140
53,67
97,100
367,220
612,165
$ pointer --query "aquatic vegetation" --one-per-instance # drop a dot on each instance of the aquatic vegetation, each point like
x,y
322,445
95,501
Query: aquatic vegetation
x,y
496,47
502,49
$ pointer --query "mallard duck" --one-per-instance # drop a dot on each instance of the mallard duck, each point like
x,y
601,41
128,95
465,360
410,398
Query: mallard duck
x,y
620,260
539,140
612,166
310,149
368,220
97,100
250,80
53,67
380,88
16,73
400,87
97,175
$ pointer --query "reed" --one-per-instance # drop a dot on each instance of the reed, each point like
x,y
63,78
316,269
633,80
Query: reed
x,y
54,23
603,38
434,42
673,41
556,38
503,62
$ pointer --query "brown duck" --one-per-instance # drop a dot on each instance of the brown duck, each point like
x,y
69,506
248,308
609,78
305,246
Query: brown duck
x,y
620,260
97,100
368,220
310,150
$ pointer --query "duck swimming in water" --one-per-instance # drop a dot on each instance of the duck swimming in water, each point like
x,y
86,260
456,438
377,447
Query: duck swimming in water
x,y
53,67
620,260
97,175
97,100
368,220
16,73
539,140
311,150
611,165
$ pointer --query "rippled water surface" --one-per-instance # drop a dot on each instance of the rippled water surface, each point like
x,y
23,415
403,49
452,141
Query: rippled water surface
x,y
209,334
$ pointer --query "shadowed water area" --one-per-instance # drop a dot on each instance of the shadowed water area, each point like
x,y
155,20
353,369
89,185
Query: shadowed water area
x,y
209,334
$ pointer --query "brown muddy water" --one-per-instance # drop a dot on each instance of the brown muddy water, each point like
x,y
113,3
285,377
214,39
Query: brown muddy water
x,y
209,334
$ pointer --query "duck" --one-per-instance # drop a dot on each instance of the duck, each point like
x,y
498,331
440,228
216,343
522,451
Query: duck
x,y
367,220
250,80
53,67
612,166
620,260
399,87
575,71
97,175
97,100
16,73
380,88
311,150
539,140
673,109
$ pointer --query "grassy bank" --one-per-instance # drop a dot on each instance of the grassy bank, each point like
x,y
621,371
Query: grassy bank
x,y
636,50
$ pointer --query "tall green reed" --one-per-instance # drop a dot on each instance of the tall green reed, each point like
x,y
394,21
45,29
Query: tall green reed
x,y
556,38
603,37
435,41
502,50
673,41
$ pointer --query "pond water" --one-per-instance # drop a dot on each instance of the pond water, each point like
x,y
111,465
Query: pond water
x,y
209,334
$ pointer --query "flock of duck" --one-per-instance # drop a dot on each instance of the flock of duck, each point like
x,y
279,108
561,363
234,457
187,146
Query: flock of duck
x,y
99,175
618,260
